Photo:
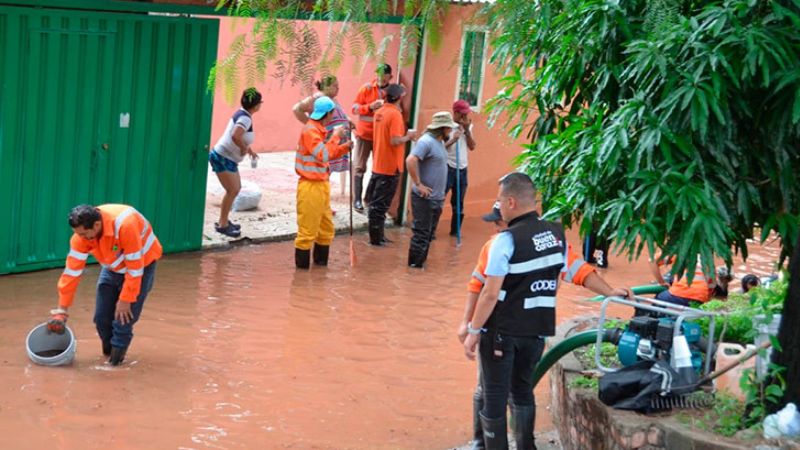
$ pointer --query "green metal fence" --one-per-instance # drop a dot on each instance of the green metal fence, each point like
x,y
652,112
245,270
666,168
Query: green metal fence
x,y
100,107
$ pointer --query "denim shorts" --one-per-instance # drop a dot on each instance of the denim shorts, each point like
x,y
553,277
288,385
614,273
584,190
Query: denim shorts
x,y
220,163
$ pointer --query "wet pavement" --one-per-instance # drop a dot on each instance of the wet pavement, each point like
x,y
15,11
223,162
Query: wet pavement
x,y
237,350
275,219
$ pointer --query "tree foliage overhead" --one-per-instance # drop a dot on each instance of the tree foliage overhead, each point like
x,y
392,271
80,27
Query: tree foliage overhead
x,y
670,124
284,45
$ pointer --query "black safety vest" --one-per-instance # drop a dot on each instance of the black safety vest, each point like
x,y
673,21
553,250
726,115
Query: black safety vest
x,y
527,302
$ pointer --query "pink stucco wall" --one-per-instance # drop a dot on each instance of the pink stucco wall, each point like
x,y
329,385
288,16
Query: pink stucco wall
x,y
275,126
495,150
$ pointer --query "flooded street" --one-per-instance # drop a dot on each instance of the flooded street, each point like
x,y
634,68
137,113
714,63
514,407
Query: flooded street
x,y
236,350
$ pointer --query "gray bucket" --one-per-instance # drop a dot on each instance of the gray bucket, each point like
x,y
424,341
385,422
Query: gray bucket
x,y
51,349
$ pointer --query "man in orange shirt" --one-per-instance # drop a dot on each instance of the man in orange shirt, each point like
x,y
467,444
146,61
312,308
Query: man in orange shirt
x,y
314,153
368,100
701,289
123,242
390,137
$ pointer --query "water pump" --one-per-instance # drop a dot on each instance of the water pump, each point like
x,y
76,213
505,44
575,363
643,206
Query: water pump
x,y
650,338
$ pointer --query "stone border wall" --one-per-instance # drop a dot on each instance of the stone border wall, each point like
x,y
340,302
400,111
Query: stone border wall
x,y
585,423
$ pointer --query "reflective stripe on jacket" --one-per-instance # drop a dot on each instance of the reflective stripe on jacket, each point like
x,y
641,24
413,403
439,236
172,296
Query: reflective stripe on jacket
x,y
365,97
314,152
127,244
575,271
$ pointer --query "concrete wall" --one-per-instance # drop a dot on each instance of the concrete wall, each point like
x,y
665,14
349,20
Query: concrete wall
x,y
275,126
584,422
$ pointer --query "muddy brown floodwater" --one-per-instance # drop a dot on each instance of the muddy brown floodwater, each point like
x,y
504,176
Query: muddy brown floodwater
x,y
236,350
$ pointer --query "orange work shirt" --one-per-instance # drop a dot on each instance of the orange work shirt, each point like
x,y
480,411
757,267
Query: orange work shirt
x,y
576,269
367,95
387,159
315,150
127,245
701,289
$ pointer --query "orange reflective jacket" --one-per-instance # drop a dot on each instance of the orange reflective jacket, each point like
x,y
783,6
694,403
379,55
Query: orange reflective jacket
x,y
127,244
314,152
700,290
575,272
365,97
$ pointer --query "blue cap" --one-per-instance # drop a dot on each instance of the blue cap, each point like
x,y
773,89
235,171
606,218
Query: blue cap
x,y
322,106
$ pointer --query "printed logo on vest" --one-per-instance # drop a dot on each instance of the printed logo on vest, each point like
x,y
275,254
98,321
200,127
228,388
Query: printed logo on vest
x,y
546,240
544,285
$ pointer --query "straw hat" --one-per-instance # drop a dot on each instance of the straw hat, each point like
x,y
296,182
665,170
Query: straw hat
x,y
442,119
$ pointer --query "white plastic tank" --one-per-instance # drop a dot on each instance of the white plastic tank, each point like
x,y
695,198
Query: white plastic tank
x,y
765,330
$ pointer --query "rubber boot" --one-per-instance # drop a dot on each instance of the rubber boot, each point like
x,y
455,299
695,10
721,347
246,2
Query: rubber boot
x,y
376,236
117,355
477,430
358,183
494,433
368,193
302,258
454,225
523,418
321,254
415,259
106,348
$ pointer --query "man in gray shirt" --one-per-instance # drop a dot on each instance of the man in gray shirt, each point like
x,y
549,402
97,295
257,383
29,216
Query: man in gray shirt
x,y
427,167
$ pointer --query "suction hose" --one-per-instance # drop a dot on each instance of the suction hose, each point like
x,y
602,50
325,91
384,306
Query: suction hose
x,y
586,337
569,344
648,289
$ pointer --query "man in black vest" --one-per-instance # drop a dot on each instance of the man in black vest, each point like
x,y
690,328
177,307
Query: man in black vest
x,y
516,309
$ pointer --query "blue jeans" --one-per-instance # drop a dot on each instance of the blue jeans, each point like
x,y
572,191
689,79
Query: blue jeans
x,y
666,296
456,200
109,286
511,373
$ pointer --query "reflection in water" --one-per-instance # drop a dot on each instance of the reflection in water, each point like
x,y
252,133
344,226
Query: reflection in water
x,y
236,350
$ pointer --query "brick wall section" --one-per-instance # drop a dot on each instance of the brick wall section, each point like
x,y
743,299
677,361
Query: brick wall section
x,y
585,423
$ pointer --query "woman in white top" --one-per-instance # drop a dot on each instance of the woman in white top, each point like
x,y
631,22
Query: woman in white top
x,y
229,151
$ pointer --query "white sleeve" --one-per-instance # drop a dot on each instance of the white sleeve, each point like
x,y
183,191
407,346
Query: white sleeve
x,y
244,122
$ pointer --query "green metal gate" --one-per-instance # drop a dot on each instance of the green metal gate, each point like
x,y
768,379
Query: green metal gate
x,y
100,107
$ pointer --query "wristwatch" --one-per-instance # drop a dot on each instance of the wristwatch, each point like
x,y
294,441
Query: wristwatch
x,y
471,330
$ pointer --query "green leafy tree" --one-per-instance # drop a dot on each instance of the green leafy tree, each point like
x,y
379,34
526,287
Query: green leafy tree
x,y
672,125
283,42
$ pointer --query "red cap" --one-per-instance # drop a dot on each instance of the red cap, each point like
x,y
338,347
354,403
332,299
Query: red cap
x,y
461,106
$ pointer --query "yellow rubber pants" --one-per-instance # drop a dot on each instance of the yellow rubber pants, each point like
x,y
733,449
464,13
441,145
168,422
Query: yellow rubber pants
x,y
314,216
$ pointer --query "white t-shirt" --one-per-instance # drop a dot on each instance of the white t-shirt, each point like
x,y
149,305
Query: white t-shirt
x,y
225,145
463,149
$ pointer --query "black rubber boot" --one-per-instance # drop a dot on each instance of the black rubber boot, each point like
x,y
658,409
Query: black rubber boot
x,y
302,258
358,183
477,430
376,236
106,348
117,355
368,194
523,418
321,254
454,226
494,433
415,259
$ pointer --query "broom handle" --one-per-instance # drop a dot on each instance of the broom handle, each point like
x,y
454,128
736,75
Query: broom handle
x,y
747,355
458,195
